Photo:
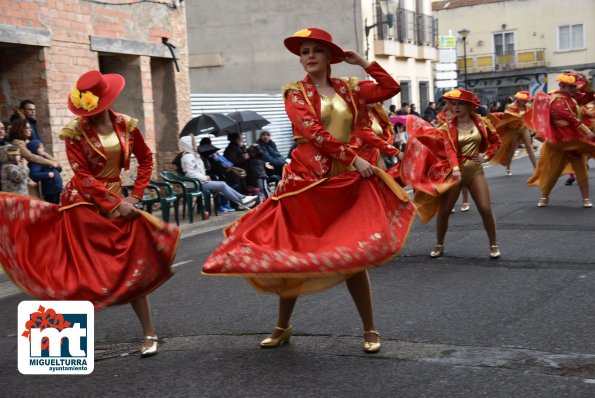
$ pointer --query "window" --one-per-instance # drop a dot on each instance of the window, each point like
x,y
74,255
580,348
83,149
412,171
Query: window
x,y
571,37
504,43
424,94
405,91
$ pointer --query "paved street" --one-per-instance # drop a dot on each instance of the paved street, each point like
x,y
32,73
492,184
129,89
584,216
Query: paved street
x,y
458,326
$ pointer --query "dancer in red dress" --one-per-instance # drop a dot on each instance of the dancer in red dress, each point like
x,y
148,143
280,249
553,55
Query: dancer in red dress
x,y
95,245
436,161
512,127
569,141
333,215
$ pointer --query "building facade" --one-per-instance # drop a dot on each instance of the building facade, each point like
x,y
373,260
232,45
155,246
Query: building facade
x,y
45,45
236,49
517,45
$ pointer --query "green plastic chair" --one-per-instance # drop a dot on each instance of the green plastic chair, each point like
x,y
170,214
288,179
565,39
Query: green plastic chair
x,y
189,194
157,192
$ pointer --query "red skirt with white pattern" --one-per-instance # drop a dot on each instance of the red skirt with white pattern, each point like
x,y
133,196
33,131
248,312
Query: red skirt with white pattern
x,y
77,254
315,238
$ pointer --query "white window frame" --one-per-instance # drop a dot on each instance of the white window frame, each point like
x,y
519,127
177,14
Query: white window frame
x,y
558,49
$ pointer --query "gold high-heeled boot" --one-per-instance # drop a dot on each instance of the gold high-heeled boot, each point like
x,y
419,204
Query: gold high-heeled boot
x,y
272,342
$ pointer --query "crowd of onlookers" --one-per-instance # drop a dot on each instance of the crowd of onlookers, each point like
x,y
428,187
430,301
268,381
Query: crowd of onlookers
x,y
243,176
25,167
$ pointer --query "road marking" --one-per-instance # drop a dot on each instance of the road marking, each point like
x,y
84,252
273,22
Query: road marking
x,y
181,263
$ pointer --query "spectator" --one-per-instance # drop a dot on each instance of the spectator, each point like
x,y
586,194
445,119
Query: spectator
x,y
257,178
27,108
220,165
19,134
14,171
236,150
413,110
3,138
392,110
430,113
271,154
194,167
48,177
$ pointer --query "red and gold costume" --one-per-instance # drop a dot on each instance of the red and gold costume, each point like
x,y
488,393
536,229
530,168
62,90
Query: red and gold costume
x,y
370,143
560,119
509,126
325,222
73,251
432,154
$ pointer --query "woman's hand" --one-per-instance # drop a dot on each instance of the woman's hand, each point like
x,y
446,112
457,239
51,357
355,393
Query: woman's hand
x,y
353,58
478,159
363,167
456,174
127,209
400,156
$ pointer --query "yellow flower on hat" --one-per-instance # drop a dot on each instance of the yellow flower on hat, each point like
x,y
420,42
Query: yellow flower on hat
x,y
302,33
87,100
521,96
75,97
453,94
568,79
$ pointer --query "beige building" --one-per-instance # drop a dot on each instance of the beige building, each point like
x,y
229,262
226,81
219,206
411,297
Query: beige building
x,y
237,59
518,44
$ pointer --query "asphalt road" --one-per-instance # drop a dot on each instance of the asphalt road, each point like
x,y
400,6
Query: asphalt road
x,y
459,326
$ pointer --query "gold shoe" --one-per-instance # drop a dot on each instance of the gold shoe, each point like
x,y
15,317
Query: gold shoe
x,y
465,207
587,203
272,342
437,251
494,251
542,202
149,351
370,347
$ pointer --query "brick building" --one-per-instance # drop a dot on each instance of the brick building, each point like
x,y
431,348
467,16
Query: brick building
x,y
46,44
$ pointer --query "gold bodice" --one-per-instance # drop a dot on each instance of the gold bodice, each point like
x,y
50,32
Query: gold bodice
x,y
336,117
376,127
113,164
469,141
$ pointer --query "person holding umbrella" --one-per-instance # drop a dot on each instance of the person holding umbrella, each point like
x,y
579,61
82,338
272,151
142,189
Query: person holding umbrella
x,y
333,215
194,167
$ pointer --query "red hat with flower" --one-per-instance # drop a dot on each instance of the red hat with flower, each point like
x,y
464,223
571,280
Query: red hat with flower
x,y
460,94
94,92
294,42
572,78
523,95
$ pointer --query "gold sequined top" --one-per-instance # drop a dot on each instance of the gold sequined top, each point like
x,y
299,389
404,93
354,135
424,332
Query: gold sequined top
x,y
376,127
336,117
113,165
469,141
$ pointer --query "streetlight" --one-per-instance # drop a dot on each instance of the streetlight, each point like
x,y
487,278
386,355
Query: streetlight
x,y
464,33
388,8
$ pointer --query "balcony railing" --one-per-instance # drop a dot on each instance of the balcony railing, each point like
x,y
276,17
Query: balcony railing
x,y
521,59
408,27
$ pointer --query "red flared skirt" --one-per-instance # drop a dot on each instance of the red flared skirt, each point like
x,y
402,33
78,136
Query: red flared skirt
x,y
316,238
76,254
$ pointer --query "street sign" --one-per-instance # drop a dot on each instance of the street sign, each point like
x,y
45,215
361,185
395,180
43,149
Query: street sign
x,y
446,83
446,67
447,56
446,75
447,42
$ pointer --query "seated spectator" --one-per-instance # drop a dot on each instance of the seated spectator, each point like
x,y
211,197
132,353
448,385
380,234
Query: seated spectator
x,y
236,150
14,173
3,142
430,113
48,177
217,170
271,154
194,167
257,178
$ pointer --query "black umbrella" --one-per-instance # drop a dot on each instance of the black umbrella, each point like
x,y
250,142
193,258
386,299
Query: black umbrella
x,y
210,123
207,149
248,120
